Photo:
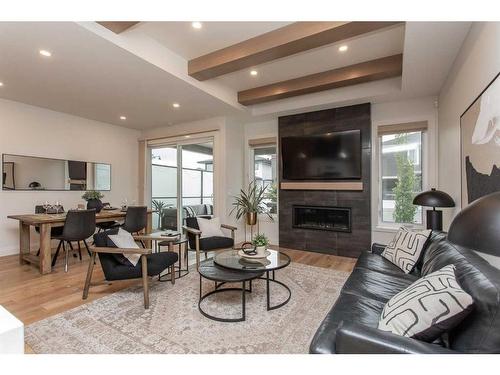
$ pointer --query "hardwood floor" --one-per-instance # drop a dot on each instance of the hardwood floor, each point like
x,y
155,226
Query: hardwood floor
x,y
31,296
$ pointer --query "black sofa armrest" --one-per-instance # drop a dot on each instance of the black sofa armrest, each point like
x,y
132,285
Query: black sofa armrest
x,y
357,339
378,248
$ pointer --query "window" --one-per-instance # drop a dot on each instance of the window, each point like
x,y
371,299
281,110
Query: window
x,y
401,176
264,174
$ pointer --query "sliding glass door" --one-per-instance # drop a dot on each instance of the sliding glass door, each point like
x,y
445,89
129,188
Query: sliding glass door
x,y
181,177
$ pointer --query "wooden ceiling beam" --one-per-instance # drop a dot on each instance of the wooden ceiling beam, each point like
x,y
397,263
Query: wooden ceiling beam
x,y
285,41
117,26
386,67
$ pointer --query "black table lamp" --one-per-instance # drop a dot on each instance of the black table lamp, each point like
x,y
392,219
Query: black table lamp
x,y
434,198
477,226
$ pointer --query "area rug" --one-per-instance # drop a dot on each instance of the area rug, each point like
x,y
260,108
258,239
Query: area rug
x,y
118,323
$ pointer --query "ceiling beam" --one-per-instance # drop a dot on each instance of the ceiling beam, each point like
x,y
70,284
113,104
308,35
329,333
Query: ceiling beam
x,y
386,67
285,41
117,26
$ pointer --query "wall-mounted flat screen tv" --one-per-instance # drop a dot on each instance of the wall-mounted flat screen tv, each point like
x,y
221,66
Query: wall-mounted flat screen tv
x,y
330,156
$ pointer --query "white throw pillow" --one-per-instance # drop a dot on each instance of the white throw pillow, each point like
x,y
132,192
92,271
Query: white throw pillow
x,y
428,308
405,249
210,227
124,240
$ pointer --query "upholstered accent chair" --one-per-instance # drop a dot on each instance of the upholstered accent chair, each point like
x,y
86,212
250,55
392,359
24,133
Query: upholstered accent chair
x,y
206,244
116,267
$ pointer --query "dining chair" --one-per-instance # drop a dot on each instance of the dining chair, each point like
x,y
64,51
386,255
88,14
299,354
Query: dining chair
x,y
136,220
107,224
79,225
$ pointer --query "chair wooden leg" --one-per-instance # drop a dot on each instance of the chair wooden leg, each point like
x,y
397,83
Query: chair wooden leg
x,y
145,284
89,277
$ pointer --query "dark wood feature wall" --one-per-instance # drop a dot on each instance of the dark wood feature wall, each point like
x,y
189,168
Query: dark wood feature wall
x,y
337,243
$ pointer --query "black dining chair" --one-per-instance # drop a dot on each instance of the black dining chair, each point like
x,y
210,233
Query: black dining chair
x,y
136,220
79,225
106,225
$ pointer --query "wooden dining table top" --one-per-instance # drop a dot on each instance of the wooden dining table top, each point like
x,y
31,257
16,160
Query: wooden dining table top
x,y
38,219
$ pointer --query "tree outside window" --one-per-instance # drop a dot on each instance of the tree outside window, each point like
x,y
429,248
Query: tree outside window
x,y
401,177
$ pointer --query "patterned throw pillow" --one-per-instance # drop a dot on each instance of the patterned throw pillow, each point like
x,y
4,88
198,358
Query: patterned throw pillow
x,y
406,247
429,307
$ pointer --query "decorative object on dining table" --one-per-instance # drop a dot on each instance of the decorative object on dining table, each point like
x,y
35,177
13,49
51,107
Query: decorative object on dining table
x,y
93,198
434,198
250,203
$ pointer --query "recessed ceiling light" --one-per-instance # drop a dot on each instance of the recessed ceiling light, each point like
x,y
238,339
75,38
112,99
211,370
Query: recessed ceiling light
x,y
1,84
187,136
196,25
176,105
45,53
343,48
123,118
253,72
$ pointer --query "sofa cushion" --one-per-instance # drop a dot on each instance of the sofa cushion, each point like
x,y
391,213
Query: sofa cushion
x,y
406,248
428,308
479,332
377,263
213,243
349,308
375,285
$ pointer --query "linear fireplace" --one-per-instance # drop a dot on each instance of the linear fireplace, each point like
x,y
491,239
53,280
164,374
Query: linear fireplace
x,y
336,219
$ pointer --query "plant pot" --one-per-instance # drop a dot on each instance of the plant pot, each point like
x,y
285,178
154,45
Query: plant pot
x,y
261,250
95,204
251,218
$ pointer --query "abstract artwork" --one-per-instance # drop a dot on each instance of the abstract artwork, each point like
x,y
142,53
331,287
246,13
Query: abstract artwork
x,y
480,145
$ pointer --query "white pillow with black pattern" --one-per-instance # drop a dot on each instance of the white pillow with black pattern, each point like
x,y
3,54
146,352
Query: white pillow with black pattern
x,y
405,248
428,308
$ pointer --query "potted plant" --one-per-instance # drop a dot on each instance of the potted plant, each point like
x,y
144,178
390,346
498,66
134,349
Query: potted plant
x,y
93,198
159,206
260,242
251,203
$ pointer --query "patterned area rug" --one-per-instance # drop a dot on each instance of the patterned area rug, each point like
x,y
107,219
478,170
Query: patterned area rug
x,y
118,323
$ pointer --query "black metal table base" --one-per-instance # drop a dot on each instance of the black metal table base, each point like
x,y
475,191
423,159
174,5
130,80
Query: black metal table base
x,y
166,276
243,290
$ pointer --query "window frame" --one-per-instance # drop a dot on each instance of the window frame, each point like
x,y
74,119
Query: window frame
x,y
255,145
385,225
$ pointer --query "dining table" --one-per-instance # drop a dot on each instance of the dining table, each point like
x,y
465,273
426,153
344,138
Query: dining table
x,y
45,222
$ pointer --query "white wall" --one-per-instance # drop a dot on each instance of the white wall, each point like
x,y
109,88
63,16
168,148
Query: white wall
x,y
256,130
35,131
421,109
477,63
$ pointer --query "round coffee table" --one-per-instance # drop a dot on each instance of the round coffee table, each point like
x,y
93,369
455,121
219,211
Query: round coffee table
x,y
230,259
208,270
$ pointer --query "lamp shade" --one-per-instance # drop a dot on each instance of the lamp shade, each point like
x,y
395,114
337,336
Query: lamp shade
x,y
434,198
477,226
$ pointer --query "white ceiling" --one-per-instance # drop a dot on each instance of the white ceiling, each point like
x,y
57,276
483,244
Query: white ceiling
x,y
90,77
99,75
189,43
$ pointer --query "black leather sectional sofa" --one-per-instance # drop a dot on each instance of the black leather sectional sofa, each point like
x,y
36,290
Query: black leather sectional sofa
x,y
351,324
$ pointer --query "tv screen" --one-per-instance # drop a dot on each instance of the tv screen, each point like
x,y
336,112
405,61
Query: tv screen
x,y
330,156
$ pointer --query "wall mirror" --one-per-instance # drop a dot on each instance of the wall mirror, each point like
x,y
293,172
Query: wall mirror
x,y
36,173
